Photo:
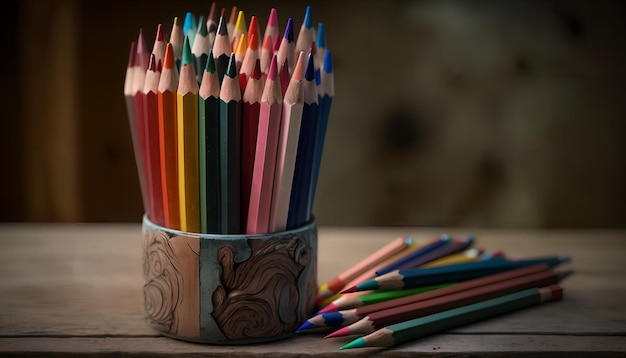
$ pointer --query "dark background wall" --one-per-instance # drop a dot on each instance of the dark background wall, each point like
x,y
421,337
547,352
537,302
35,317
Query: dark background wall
x,y
452,113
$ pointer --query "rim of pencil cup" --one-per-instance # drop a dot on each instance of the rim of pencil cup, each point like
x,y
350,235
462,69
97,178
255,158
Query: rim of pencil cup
x,y
312,223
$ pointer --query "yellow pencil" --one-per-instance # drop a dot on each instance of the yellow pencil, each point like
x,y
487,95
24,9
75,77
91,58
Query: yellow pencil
x,y
187,125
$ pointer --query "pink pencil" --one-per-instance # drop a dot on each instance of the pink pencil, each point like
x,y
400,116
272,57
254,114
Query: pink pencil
x,y
338,283
265,155
272,24
293,104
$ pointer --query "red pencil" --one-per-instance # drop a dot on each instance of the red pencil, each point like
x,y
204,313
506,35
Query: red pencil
x,y
142,59
265,154
267,52
249,122
249,59
151,122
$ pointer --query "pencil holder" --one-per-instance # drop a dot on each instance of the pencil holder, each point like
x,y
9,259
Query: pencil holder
x,y
229,289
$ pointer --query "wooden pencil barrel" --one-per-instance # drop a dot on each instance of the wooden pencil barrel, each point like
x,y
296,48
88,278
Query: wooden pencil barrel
x,y
229,289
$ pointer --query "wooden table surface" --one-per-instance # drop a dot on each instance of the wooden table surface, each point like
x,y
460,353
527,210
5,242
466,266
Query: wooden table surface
x,y
76,289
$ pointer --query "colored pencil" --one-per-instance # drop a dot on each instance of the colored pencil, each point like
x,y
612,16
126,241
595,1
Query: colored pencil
x,y
222,49
241,28
240,52
340,281
232,22
298,210
287,47
306,34
321,41
151,130
265,154
454,246
248,63
177,39
469,255
267,52
142,60
158,49
355,302
326,94
250,124
253,30
129,96
208,112
200,49
271,29
348,316
230,151
420,327
433,245
168,139
284,77
293,104
211,23
190,27
187,130
416,277
346,300
374,320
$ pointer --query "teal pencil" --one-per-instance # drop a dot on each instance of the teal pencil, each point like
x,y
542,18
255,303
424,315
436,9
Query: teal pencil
x,y
459,272
201,48
406,331
230,151
208,111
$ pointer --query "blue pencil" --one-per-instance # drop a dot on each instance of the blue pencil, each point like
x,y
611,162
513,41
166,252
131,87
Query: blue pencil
x,y
326,94
459,272
298,203
401,262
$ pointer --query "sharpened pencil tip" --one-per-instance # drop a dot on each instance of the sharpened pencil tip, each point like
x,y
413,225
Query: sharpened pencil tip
x,y
273,72
241,22
309,73
308,17
357,343
242,45
330,308
321,35
298,72
152,65
306,325
253,43
160,33
210,63
256,71
222,28
232,67
273,19
202,29
341,332
289,30
190,23
348,290
169,61
186,58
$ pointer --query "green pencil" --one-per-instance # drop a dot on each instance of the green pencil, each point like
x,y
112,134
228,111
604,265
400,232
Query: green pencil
x,y
230,151
403,332
208,110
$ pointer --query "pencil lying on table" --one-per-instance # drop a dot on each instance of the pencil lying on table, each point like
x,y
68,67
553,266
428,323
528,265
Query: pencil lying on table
x,y
420,327
355,312
459,272
379,319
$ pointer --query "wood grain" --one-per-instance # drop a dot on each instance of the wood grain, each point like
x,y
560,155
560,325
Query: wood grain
x,y
77,289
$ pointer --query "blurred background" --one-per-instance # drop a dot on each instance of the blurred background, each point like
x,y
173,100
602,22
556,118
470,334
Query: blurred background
x,y
446,113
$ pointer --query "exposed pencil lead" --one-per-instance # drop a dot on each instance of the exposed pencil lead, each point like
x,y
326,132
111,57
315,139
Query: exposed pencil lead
x,y
308,18
232,67
187,58
289,30
169,61
309,73
210,63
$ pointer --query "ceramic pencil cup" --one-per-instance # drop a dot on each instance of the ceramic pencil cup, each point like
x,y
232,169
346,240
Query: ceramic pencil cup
x,y
229,289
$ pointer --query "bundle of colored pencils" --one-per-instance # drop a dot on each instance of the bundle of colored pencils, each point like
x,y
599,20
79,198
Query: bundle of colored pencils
x,y
228,123
409,289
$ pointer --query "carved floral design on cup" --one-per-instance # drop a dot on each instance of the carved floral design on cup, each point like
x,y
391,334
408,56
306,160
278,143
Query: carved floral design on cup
x,y
259,296
163,288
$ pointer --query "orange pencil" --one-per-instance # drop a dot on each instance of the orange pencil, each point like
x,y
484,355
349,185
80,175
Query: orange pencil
x,y
168,141
248,63
265,154
267,52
